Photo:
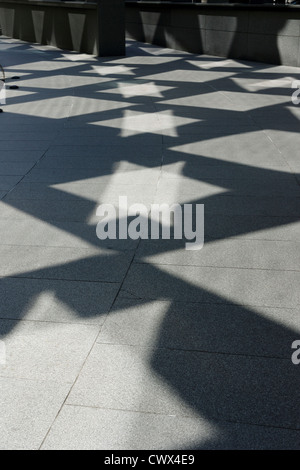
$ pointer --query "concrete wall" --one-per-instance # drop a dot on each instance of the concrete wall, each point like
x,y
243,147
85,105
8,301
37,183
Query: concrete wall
x,y
264,33
65,25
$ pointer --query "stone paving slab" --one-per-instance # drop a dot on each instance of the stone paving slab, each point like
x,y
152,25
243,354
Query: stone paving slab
x,y
186,190
7,182
128,153
52,176
68,191
243,206
33,232
213,285
241,172
28,408
57,301
234,253
237,392
15,168
45,350
129,344
23,136
30,156
64,263
253,227
74,210
24,144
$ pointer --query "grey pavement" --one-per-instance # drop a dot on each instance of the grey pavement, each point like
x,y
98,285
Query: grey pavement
x,y
127,344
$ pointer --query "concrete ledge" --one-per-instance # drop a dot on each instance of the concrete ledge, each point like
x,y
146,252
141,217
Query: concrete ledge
x,y
264,33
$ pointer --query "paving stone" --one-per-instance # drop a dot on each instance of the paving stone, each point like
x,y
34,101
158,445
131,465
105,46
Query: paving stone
x,y
240,148
24,144
184,190
100,192
56,300
227,172
28,410
213,285
97,163
75,210
55,176
13,168
95,429
186,383
34,232
7,182
234,253
164,348
44,350
132,153
253,227
231,205
234,329
24,136
112,137
28,156
64,263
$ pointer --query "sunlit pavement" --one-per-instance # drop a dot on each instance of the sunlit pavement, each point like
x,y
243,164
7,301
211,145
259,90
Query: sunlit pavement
x,y
129,344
